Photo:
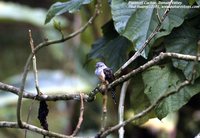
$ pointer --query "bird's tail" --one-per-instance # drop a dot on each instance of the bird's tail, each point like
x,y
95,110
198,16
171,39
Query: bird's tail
x,y
113,95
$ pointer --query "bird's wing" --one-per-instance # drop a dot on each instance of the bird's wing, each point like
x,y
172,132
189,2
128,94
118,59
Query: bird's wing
x,y
109,75
110,78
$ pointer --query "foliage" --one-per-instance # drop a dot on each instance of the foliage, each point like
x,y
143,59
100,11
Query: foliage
x,y
128,30
130,22
159,80
177,42
111,44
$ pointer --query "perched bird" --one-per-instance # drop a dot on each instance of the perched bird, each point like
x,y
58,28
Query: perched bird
x,y
105,75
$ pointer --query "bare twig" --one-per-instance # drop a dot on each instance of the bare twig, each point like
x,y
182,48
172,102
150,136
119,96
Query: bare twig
x,y
73,96
20,95
80,116
121,107
29,95
151,36
147,110
34,64
33,128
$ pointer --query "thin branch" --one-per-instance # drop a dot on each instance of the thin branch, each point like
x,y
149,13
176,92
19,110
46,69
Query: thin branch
x,y
80,117
20,95
41,45
150,63
29,95
121,107
151,36
147,110
34,64
5,124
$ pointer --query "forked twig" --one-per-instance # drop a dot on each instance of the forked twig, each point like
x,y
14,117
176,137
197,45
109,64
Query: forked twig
x,y
35,72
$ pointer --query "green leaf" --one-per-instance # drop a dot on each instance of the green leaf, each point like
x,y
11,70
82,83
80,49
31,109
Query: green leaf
x,y
113,51
57,25
184,40
142,28
159,80
111,48
59,8
137,24
139,100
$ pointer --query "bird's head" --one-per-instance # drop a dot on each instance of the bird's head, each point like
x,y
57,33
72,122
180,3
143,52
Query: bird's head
x,y
100,65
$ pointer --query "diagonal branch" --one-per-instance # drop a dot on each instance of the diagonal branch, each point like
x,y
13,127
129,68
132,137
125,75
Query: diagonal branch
x,y
150,63
151,36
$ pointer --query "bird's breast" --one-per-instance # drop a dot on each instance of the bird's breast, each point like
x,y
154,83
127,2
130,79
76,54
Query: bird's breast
x,y
100,74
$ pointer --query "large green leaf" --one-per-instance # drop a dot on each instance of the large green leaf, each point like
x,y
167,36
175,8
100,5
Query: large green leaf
x,y
59,8
159,80
111,48
138,23
139,100
113,51
184,40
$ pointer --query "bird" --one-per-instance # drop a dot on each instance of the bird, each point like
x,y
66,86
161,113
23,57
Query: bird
x,y
106,76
